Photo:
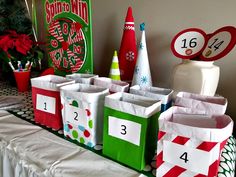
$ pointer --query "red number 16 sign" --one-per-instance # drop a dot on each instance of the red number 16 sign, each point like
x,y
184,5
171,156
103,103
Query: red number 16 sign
x,y
194,42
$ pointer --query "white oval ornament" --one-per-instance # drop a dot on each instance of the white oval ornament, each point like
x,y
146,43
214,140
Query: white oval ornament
x,y
220,43
188,43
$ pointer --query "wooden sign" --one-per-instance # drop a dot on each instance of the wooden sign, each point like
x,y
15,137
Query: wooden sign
x,y
69,27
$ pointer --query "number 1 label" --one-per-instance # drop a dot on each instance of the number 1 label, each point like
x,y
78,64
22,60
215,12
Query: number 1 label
x,y
124,129
46,103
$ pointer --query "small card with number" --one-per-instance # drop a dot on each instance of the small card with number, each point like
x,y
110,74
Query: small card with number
x,y
194,43
189,43
219,44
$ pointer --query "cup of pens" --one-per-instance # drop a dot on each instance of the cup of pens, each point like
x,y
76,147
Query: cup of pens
x,y
22,76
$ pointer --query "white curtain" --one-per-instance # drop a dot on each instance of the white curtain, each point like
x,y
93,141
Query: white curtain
x,y
30,151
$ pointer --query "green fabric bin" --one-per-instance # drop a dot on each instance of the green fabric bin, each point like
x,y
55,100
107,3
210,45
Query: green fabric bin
x,y
130,129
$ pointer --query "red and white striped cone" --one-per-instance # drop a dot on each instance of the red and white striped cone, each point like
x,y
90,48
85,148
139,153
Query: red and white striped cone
x,y
128,50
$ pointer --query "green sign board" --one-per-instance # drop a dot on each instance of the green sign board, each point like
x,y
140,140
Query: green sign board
x,y
69,27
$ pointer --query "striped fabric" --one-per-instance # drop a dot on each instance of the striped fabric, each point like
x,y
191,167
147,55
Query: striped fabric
x,y
75,36
55,31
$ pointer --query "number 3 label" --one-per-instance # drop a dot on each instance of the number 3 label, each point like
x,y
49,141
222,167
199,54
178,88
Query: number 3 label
x,y
124,129
188,43
191,159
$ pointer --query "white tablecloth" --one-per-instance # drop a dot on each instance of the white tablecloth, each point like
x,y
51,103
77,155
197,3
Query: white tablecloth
x,y
27,150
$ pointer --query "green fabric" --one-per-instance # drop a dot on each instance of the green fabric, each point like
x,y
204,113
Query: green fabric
x,y
115,77
115,65
127,153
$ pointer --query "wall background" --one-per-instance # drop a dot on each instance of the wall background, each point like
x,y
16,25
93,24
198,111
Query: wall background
x,y
163,20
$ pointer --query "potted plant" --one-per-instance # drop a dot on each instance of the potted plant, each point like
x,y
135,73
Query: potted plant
x,y
18,51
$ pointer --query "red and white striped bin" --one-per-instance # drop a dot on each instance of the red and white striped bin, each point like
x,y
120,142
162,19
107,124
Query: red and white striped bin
x,y
46,99
190,144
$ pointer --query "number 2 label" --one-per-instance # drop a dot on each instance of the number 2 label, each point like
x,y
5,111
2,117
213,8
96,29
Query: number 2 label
x,y
75,115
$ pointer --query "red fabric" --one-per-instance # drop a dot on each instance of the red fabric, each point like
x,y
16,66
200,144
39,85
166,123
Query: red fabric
x,y
51,120
128,51
206,146
129,16
161,134
48,71
175,171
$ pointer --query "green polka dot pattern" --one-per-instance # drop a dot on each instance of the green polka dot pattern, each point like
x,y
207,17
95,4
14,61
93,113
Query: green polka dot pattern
x,y
75,134
81,140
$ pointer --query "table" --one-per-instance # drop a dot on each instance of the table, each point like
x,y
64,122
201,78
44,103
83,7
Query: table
x,y
30,150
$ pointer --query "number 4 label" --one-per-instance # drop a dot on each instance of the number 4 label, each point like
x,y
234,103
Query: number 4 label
x,y
124,129
191,159
184,157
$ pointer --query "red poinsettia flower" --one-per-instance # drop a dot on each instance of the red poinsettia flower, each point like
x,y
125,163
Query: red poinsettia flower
x,y
6,43
17,43
23,43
